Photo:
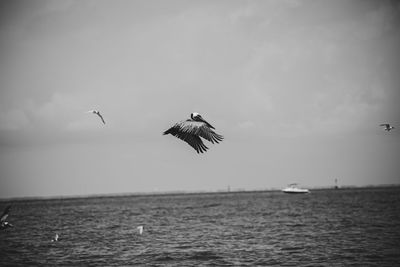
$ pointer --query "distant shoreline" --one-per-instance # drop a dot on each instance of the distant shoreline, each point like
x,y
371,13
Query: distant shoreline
x,y
178,192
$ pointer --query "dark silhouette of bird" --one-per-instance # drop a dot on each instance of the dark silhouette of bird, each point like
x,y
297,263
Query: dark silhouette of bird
x,y
3,223
192,129
98,114
387,126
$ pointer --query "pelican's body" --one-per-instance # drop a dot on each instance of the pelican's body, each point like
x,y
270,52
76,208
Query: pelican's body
x,y
98,114
3,223
192,129
387,126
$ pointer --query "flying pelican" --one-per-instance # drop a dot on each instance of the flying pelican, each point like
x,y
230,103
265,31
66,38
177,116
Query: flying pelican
x,y
387,126
192,129
4,224
98,114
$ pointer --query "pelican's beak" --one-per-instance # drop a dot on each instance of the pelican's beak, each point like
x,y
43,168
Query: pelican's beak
x,y
203,120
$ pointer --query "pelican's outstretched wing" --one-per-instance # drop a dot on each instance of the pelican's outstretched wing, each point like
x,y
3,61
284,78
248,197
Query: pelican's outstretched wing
x,y
385,125
188,131
5,214
208,134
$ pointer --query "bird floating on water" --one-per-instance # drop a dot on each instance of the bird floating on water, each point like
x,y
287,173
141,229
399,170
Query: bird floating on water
x,y
387,126
55,239
192,129
98,114
3,223
140,229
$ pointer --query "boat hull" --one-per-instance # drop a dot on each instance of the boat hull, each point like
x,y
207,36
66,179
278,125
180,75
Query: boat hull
x,y
294,189
304,191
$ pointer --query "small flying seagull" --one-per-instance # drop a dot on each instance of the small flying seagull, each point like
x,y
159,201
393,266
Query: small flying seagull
x,y
98,114
3,223
387,126
192,129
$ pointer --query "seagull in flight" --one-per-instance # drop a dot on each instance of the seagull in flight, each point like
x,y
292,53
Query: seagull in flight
x,y
3,223
192,129
98,114
387,126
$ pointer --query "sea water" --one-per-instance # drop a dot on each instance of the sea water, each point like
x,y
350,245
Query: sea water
x,y
344,227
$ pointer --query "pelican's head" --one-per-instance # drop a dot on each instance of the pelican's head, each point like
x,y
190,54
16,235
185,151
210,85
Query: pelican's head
x,y
197,117
194,115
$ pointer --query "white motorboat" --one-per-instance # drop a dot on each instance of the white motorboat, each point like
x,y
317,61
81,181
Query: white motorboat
x,y
294,189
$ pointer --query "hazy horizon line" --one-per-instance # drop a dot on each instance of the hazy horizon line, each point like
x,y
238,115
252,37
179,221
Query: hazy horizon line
x,y
185,192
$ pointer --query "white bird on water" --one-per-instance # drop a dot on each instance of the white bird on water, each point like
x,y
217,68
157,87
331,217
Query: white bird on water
x,y
98,114
3,223
55,238
140,228
192,129
387,126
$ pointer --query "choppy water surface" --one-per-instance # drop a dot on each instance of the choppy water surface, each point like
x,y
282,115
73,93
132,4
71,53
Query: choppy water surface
x,y
359,227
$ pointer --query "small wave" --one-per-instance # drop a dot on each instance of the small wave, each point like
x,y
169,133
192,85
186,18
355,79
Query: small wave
x,y
296,225
203,255
164,257
292,248
211,205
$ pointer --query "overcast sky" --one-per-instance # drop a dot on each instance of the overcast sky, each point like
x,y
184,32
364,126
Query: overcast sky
x,y
297,88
